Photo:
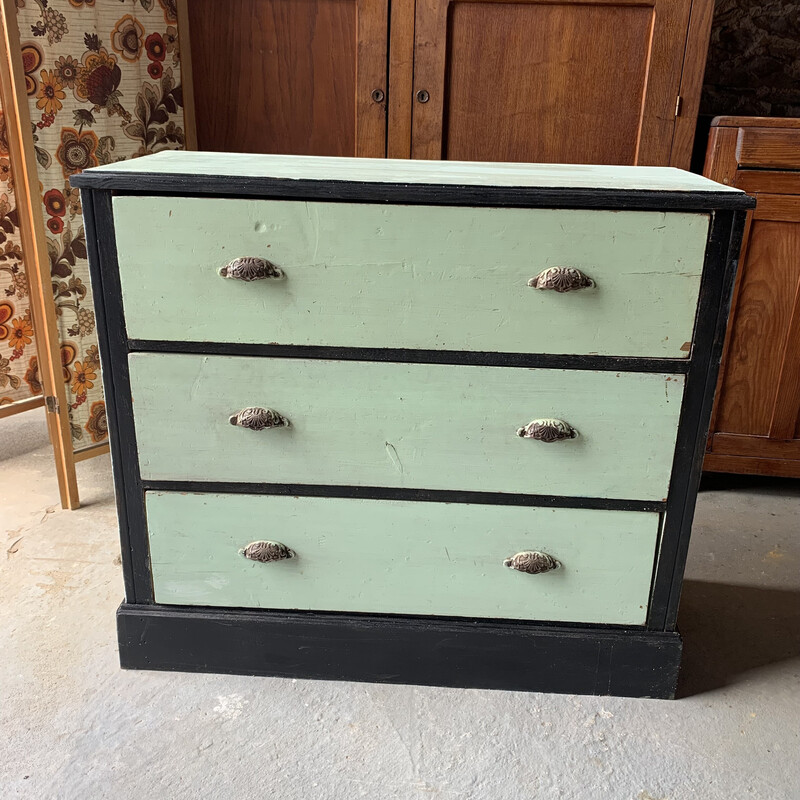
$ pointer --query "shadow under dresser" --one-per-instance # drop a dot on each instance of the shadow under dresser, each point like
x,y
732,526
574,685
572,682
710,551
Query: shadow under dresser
x,y
408,421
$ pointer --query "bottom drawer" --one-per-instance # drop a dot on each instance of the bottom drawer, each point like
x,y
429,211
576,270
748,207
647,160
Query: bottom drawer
x,y
401,557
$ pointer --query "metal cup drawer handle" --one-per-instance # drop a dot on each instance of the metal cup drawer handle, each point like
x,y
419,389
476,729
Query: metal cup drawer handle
x,y
547,430
255,418
532,562
561,279
251,269
267,551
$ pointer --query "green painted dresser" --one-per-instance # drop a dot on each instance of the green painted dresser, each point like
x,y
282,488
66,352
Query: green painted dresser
x,y
408,421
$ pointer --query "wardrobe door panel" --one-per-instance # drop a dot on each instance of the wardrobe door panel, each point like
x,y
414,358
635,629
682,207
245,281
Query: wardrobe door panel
x,y
755,425
290,76
557,82
758,411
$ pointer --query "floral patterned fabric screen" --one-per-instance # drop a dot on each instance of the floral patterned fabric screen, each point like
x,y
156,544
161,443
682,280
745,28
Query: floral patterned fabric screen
x,y
18,369
103,85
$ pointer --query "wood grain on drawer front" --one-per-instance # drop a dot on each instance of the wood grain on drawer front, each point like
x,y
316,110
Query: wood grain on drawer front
x,y
401,557
422,277
427,426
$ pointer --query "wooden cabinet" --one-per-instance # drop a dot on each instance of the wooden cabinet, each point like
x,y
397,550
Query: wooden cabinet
x,y
755,426
562,81
289,76
559,82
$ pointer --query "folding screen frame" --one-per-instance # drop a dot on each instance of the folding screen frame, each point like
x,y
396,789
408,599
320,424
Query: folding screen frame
x,y
37,264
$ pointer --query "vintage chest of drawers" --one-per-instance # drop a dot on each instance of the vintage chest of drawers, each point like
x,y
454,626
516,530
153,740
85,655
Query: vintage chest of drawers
x,y
416,422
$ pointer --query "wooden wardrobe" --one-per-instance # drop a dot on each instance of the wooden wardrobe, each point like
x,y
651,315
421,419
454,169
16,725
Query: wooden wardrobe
x,y
755,427
562,81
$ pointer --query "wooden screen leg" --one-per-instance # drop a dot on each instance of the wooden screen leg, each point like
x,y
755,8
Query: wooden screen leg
x,y
34,248
63,454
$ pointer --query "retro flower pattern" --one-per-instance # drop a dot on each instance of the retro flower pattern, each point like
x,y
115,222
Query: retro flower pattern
x,y
66,70
3,133
54,203
98,81
6,178
17,341
6,312
155,47
97,425
32,58
31,376
77,151
20,334
50,93
103,83
126,38
82,380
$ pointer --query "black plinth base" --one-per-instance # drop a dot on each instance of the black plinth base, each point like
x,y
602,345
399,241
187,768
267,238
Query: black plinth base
x,y
432,651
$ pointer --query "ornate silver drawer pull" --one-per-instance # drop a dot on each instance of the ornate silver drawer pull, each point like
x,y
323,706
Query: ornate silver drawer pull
x,y
251,269
532,562
258,419
561,279
267,551
547,430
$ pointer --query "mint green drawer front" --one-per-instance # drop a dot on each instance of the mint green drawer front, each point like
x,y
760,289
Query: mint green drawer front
x,y
410,276
428,426
401,557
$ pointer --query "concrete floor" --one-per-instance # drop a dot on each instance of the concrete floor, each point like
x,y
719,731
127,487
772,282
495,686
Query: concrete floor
x,y
74,726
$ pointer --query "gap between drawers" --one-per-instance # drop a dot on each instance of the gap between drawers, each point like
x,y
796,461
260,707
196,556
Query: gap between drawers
x,y
418,495
455,357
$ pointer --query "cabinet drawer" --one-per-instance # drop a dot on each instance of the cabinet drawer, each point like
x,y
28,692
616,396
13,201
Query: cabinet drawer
x,y
426,426
436,278
401,557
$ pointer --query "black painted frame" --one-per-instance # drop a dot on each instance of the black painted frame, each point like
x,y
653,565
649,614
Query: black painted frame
x,y
187,184
595,659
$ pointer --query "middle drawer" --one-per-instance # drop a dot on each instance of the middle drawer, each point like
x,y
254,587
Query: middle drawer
x,y
422,426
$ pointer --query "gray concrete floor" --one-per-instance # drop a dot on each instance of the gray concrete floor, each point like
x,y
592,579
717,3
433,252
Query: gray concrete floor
x,y
74,726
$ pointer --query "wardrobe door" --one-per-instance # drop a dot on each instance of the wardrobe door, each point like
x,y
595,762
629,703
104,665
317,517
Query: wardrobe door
x,y
756,424
559,81
289,76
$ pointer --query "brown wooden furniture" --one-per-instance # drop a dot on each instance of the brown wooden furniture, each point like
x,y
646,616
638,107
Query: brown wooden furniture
x,y
561,81
289,76
755,427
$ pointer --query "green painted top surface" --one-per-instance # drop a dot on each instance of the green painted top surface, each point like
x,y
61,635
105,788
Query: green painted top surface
x,y
399,171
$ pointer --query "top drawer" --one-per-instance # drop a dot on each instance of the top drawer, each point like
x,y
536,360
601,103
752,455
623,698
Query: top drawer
x,y
421,277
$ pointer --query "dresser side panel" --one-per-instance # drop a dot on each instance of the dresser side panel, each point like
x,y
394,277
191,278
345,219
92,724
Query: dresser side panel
x,y
112,338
